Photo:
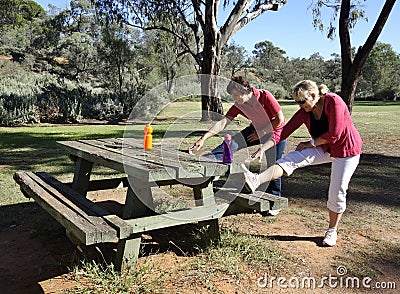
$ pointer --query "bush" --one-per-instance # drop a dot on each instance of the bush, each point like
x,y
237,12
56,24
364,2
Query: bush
x,y
18,98
102,106
59,102
383,95
28,97
278,91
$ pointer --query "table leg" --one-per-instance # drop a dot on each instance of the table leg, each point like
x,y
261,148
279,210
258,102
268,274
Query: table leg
x,y
139,200
83,169
138,203
209,232
204,195
127,253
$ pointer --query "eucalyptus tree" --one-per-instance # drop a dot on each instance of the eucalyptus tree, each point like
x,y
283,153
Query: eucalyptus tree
x,y
332,72
79,32
350,11
271,64
234,58
196,25
17,13
382,70
162,51
116,52
19,19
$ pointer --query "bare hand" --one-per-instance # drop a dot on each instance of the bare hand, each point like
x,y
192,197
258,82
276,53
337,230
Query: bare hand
x,y
304,145
196,146
253,137
258,154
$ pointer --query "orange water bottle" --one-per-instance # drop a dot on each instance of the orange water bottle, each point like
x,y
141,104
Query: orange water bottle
x,y
148,137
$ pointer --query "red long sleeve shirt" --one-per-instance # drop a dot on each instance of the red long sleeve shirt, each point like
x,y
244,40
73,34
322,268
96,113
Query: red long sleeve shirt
x,y
260,112
343,139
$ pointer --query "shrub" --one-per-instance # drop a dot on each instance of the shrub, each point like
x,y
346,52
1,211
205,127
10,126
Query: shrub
x,y
28,97
18,98
278,91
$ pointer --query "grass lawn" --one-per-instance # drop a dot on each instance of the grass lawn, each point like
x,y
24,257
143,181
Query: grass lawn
x,y
250,244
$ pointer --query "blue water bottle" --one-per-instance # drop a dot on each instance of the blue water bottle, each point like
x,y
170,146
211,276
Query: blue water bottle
x,y
227,153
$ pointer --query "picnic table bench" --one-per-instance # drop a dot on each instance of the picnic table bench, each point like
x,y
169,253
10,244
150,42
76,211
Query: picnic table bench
x,y
88,223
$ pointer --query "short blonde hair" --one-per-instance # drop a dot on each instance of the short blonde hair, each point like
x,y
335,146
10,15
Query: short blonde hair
x,y
303,90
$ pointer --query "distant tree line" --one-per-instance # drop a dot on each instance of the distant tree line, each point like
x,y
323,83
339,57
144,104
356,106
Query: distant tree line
x,y
65,65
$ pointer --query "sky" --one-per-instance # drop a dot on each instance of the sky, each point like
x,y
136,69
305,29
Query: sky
x,y
291,29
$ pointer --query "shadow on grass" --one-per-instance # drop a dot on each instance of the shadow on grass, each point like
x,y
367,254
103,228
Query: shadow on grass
x,y
375,181
34,248
26,151
316,240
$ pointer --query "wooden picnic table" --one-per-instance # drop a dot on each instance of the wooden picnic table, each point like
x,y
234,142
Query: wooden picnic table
x,y
143,170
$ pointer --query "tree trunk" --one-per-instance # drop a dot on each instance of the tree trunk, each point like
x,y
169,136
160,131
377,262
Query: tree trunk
x,y
348,89
211,105
351,69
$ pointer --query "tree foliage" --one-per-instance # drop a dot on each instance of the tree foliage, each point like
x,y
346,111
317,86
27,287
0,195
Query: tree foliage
x,y
350,12
195,25
381,73
76,63
17,13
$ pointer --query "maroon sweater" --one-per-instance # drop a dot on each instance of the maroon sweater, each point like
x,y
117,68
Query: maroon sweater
x,y
260,111
343,139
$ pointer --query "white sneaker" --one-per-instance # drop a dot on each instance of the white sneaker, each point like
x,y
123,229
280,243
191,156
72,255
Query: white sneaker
x,y
274,212
330,238
252,180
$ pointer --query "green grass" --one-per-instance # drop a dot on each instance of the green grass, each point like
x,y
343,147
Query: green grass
x,y
104,279
372,190
228,257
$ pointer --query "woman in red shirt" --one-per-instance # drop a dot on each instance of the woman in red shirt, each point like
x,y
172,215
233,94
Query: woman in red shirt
x,y
267,122
333,139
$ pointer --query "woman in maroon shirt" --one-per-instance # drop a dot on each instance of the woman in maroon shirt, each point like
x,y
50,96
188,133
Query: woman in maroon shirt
x,y
333,139
267,121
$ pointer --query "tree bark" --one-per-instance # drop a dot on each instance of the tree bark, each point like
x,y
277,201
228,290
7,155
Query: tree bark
x,y
351,68
210,100
215,39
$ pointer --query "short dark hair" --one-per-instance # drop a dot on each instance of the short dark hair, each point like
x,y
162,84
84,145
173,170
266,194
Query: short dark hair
x,y
239,84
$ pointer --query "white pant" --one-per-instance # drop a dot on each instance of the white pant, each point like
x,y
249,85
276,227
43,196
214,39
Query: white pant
x,y
341,172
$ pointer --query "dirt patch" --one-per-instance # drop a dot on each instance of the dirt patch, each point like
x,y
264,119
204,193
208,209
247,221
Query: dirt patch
x,y
39,259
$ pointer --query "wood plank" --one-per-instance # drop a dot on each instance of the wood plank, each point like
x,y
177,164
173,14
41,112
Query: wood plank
x,y
103,219
84,208
89,153
155,166
114,160
135,150
81,228
190,166
175,218
259,201
106,184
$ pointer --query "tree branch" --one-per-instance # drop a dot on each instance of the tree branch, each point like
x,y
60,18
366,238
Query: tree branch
x,y
344,36
363,52
199,13
229,25
257,11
